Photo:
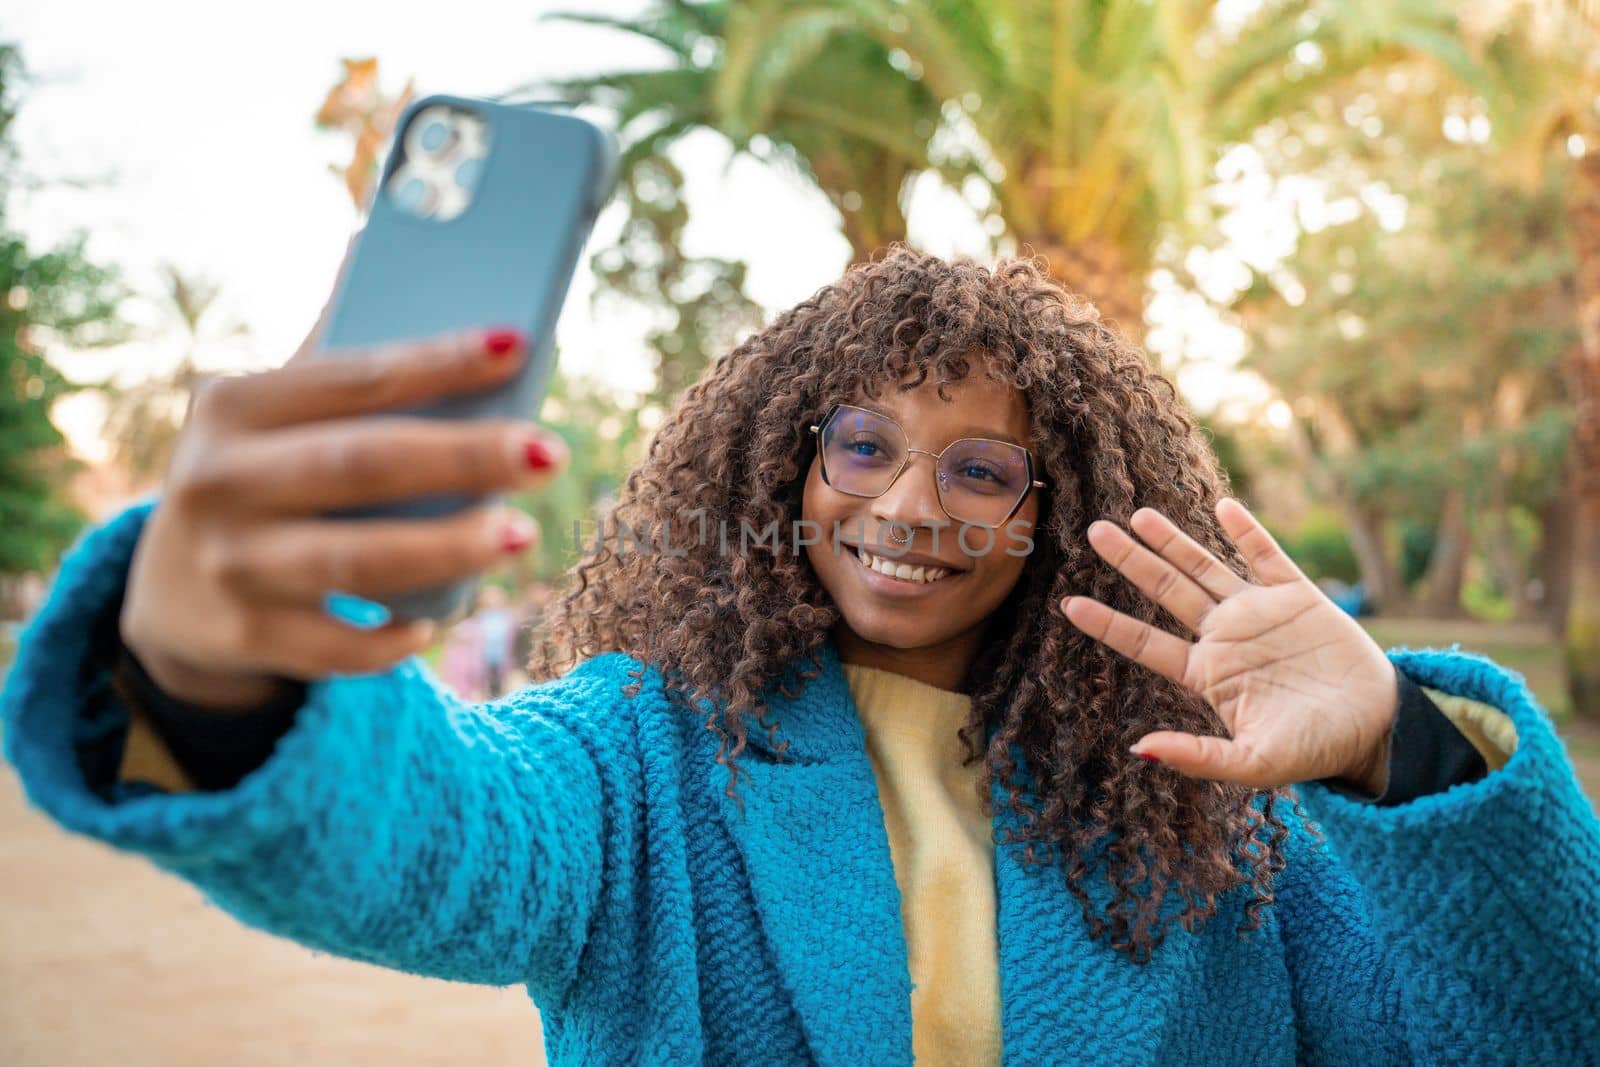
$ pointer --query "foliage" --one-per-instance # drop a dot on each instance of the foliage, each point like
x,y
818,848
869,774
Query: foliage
x,y
700,301
53,297
834,109
1098,120
1322,548
1417,332
605,434
143,420
358,106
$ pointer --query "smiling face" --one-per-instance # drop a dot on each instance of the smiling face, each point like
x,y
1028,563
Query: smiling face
x,y
928,630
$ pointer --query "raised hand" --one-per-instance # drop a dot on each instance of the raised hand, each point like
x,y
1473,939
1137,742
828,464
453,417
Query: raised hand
x,y
1304,692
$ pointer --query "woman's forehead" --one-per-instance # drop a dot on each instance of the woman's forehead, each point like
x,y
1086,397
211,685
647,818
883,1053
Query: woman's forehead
x,y
975,402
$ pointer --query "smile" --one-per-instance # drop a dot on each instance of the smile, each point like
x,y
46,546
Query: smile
x,y
903,573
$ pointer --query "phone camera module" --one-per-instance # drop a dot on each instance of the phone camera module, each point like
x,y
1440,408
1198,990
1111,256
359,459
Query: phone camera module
x,y
443,150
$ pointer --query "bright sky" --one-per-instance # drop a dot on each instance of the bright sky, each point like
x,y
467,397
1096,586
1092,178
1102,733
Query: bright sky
x,y
178,131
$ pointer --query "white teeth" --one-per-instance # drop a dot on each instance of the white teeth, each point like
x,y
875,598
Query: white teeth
x,y
902,571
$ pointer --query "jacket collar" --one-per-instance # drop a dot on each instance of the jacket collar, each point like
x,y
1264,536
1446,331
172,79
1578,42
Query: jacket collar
x,y
820,722
812,836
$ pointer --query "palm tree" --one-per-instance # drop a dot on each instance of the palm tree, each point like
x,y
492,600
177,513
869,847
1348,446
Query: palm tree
x,y
143,420
1545,56
843,117
1102,119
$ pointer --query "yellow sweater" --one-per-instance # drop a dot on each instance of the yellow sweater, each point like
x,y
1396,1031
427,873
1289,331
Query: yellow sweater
x,y
943,862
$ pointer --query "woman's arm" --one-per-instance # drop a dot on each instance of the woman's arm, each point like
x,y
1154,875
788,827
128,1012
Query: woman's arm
x,y
1462,925
391,824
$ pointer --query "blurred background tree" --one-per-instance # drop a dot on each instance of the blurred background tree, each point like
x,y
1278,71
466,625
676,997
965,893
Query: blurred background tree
x,y
1093,125
358,107
51,298
1545,116
1418,342
143,418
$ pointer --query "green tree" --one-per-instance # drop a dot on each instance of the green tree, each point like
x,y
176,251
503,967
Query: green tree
x,y
1545,58
700,304
1421,360
839,112
1100,119
48,298
606,437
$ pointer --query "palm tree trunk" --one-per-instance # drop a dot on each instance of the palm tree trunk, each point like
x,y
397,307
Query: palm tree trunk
x,y
1098,271
1583,615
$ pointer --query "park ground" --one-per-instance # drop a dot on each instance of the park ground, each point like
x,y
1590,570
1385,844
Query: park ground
x,y
106,960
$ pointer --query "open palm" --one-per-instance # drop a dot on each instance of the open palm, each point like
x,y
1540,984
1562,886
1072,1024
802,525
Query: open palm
x,y
1304,692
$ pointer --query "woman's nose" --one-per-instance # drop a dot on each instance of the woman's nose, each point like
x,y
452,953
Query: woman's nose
x,y
913,499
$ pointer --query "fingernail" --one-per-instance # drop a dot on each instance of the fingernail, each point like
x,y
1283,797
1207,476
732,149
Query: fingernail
x,y
500,341
537,455
1147,756
518,532
358,611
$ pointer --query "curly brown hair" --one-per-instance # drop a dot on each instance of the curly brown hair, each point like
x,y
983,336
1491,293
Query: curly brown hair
x,y
1112,435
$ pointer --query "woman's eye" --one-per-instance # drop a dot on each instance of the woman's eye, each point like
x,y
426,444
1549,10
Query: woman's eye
x,y
862,448
977,473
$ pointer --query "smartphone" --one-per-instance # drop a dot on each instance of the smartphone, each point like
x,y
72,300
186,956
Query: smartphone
x,y
480,214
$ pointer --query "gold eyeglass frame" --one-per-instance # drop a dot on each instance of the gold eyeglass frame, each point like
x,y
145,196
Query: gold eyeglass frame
x,y
905,461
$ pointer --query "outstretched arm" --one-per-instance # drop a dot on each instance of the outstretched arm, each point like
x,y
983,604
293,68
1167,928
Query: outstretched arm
x,y
391,824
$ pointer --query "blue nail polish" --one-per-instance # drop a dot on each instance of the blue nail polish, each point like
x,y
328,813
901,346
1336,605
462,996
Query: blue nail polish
x,y
358,612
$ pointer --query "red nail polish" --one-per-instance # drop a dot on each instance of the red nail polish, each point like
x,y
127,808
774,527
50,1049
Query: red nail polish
x,y
518,535
538,456
501,341
1147,756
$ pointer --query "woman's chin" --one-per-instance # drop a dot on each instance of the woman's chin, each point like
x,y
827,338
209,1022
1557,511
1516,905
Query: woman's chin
x,y
885,628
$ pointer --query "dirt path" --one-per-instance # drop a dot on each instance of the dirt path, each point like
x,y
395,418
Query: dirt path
x,y
106,960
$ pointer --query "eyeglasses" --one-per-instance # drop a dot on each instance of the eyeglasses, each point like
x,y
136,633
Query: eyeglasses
x,y
980,481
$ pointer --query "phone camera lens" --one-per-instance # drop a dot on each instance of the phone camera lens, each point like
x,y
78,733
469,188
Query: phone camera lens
x,y
414,196
435,135
467,173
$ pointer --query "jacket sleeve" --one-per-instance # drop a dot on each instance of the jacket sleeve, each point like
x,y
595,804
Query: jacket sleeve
x,y
1461,926
1432,747
392,824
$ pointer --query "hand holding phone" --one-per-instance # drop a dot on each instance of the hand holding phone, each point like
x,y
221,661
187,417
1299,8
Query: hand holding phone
x,y
225,593
480,216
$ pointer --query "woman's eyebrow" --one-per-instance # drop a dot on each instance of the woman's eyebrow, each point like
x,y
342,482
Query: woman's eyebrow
x,y
970,430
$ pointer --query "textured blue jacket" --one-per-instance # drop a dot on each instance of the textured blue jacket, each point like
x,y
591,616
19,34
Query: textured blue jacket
x,y
579,843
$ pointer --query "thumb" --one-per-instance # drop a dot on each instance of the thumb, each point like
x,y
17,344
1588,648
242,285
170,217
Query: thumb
x,y
1199,756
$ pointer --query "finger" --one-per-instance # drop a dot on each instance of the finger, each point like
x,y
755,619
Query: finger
x,y
1158,650
1186,554
301,561
313,337
1198,756
345,463
306,644
1269,562
392,376
1151,575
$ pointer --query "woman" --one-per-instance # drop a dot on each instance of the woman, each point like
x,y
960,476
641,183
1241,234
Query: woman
x,y
746,816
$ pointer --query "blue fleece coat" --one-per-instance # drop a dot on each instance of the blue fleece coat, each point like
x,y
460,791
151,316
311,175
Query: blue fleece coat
x,y
577,842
